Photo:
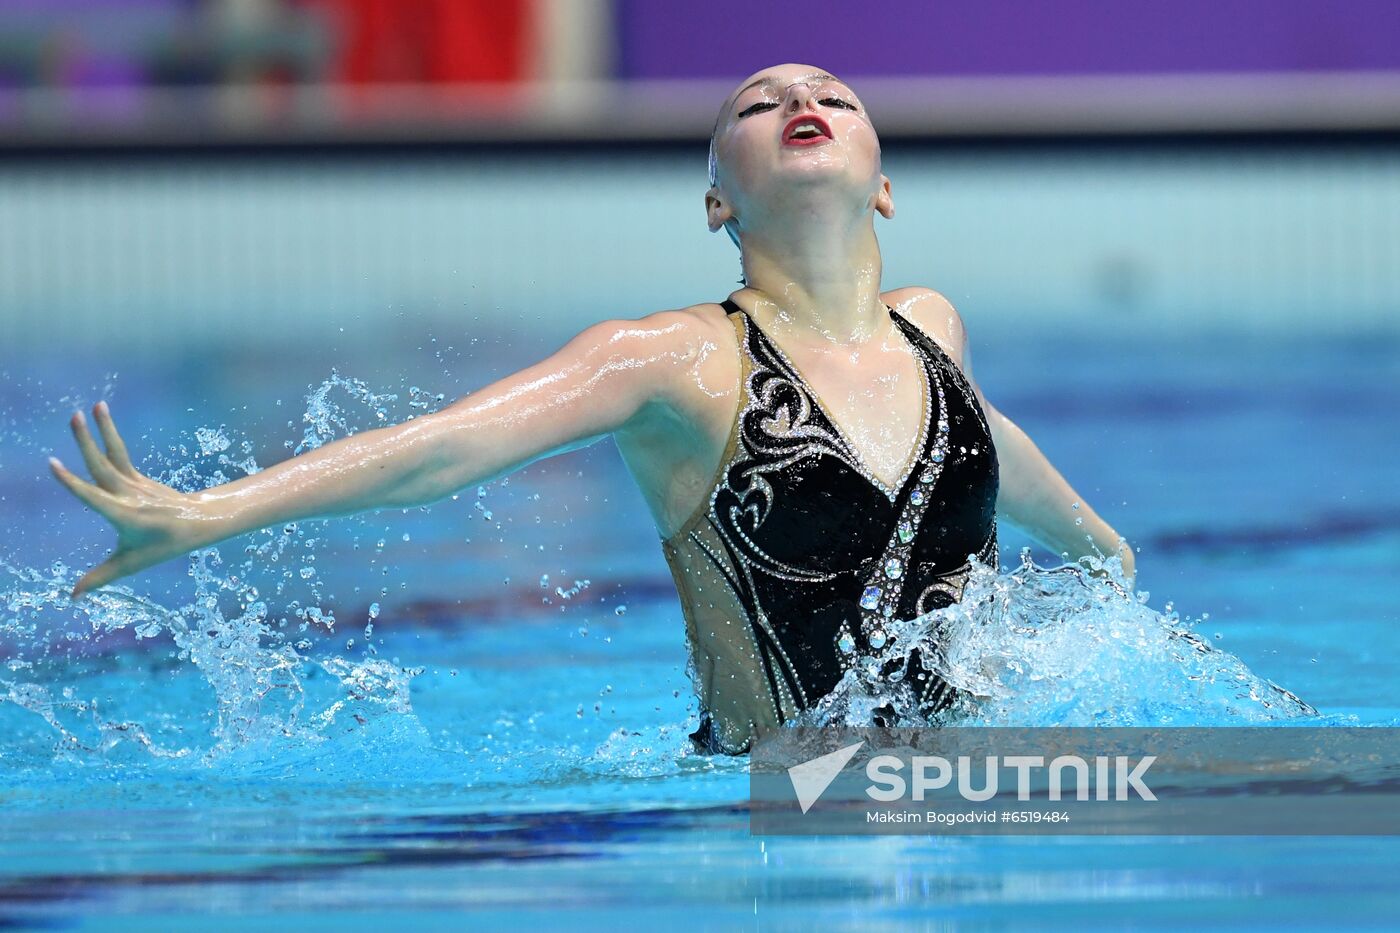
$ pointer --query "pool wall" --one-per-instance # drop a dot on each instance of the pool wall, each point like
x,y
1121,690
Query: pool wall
x,y
260,249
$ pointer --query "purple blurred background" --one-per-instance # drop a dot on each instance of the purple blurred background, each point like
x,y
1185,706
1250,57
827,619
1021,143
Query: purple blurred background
x,y
335,71
731,38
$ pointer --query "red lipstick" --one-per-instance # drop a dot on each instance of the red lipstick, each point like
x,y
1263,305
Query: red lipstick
x,y
811,129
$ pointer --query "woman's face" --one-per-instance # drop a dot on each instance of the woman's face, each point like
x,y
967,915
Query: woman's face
x,y
790,126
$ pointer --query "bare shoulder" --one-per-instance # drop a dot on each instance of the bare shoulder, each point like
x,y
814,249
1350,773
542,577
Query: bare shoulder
x,y
933,314
675,330
686,357
699,324
659,344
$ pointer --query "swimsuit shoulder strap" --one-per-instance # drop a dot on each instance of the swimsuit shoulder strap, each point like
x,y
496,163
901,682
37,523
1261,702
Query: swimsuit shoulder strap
x,y
744,331
922,343
740,319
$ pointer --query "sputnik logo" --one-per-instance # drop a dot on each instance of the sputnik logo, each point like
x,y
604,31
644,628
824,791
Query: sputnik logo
x,y
811,778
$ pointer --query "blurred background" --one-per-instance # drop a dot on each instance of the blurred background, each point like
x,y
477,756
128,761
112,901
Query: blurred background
x,y
257,171
1173,231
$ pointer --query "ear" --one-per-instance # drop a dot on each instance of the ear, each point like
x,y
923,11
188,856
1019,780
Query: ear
x,y
717,210
884,202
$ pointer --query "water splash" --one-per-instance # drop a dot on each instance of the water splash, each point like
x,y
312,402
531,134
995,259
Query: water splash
x,y
252,664
326,420
1062,646
1033,647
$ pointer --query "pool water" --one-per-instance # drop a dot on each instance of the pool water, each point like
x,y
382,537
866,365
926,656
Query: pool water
x,y
476,714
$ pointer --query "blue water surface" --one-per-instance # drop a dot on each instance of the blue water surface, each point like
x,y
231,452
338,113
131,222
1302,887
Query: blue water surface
x,y
475,715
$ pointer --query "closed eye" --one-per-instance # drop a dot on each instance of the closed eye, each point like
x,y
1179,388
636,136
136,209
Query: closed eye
x,y
765,105
757,108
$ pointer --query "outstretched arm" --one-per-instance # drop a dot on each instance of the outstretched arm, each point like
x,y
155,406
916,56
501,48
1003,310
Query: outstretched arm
x,y
602,379
1033,495
1039,501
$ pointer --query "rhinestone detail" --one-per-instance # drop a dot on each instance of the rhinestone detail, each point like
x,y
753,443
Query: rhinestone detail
x,y
878,602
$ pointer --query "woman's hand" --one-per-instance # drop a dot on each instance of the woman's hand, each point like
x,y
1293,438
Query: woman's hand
x,y
153,521
1125,553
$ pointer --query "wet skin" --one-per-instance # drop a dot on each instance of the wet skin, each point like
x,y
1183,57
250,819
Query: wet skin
x,y
798,184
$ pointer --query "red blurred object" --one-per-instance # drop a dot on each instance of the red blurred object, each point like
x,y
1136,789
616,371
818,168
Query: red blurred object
x,y
430,41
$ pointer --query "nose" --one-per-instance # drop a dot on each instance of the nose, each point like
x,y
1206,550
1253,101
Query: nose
x,y
799,95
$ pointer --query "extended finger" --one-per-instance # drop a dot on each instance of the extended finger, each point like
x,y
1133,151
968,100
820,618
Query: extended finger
x,y
98,499
116,448
98,465
101,575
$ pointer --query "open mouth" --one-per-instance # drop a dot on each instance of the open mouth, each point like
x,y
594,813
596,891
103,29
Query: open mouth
x,y
806,130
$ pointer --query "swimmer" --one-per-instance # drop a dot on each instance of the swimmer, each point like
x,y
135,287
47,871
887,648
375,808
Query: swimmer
x,y
815,453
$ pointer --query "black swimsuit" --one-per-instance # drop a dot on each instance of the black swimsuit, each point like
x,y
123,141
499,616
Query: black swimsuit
x,y
802,556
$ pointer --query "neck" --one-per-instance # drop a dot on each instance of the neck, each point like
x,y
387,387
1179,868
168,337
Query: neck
x,y
813,269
